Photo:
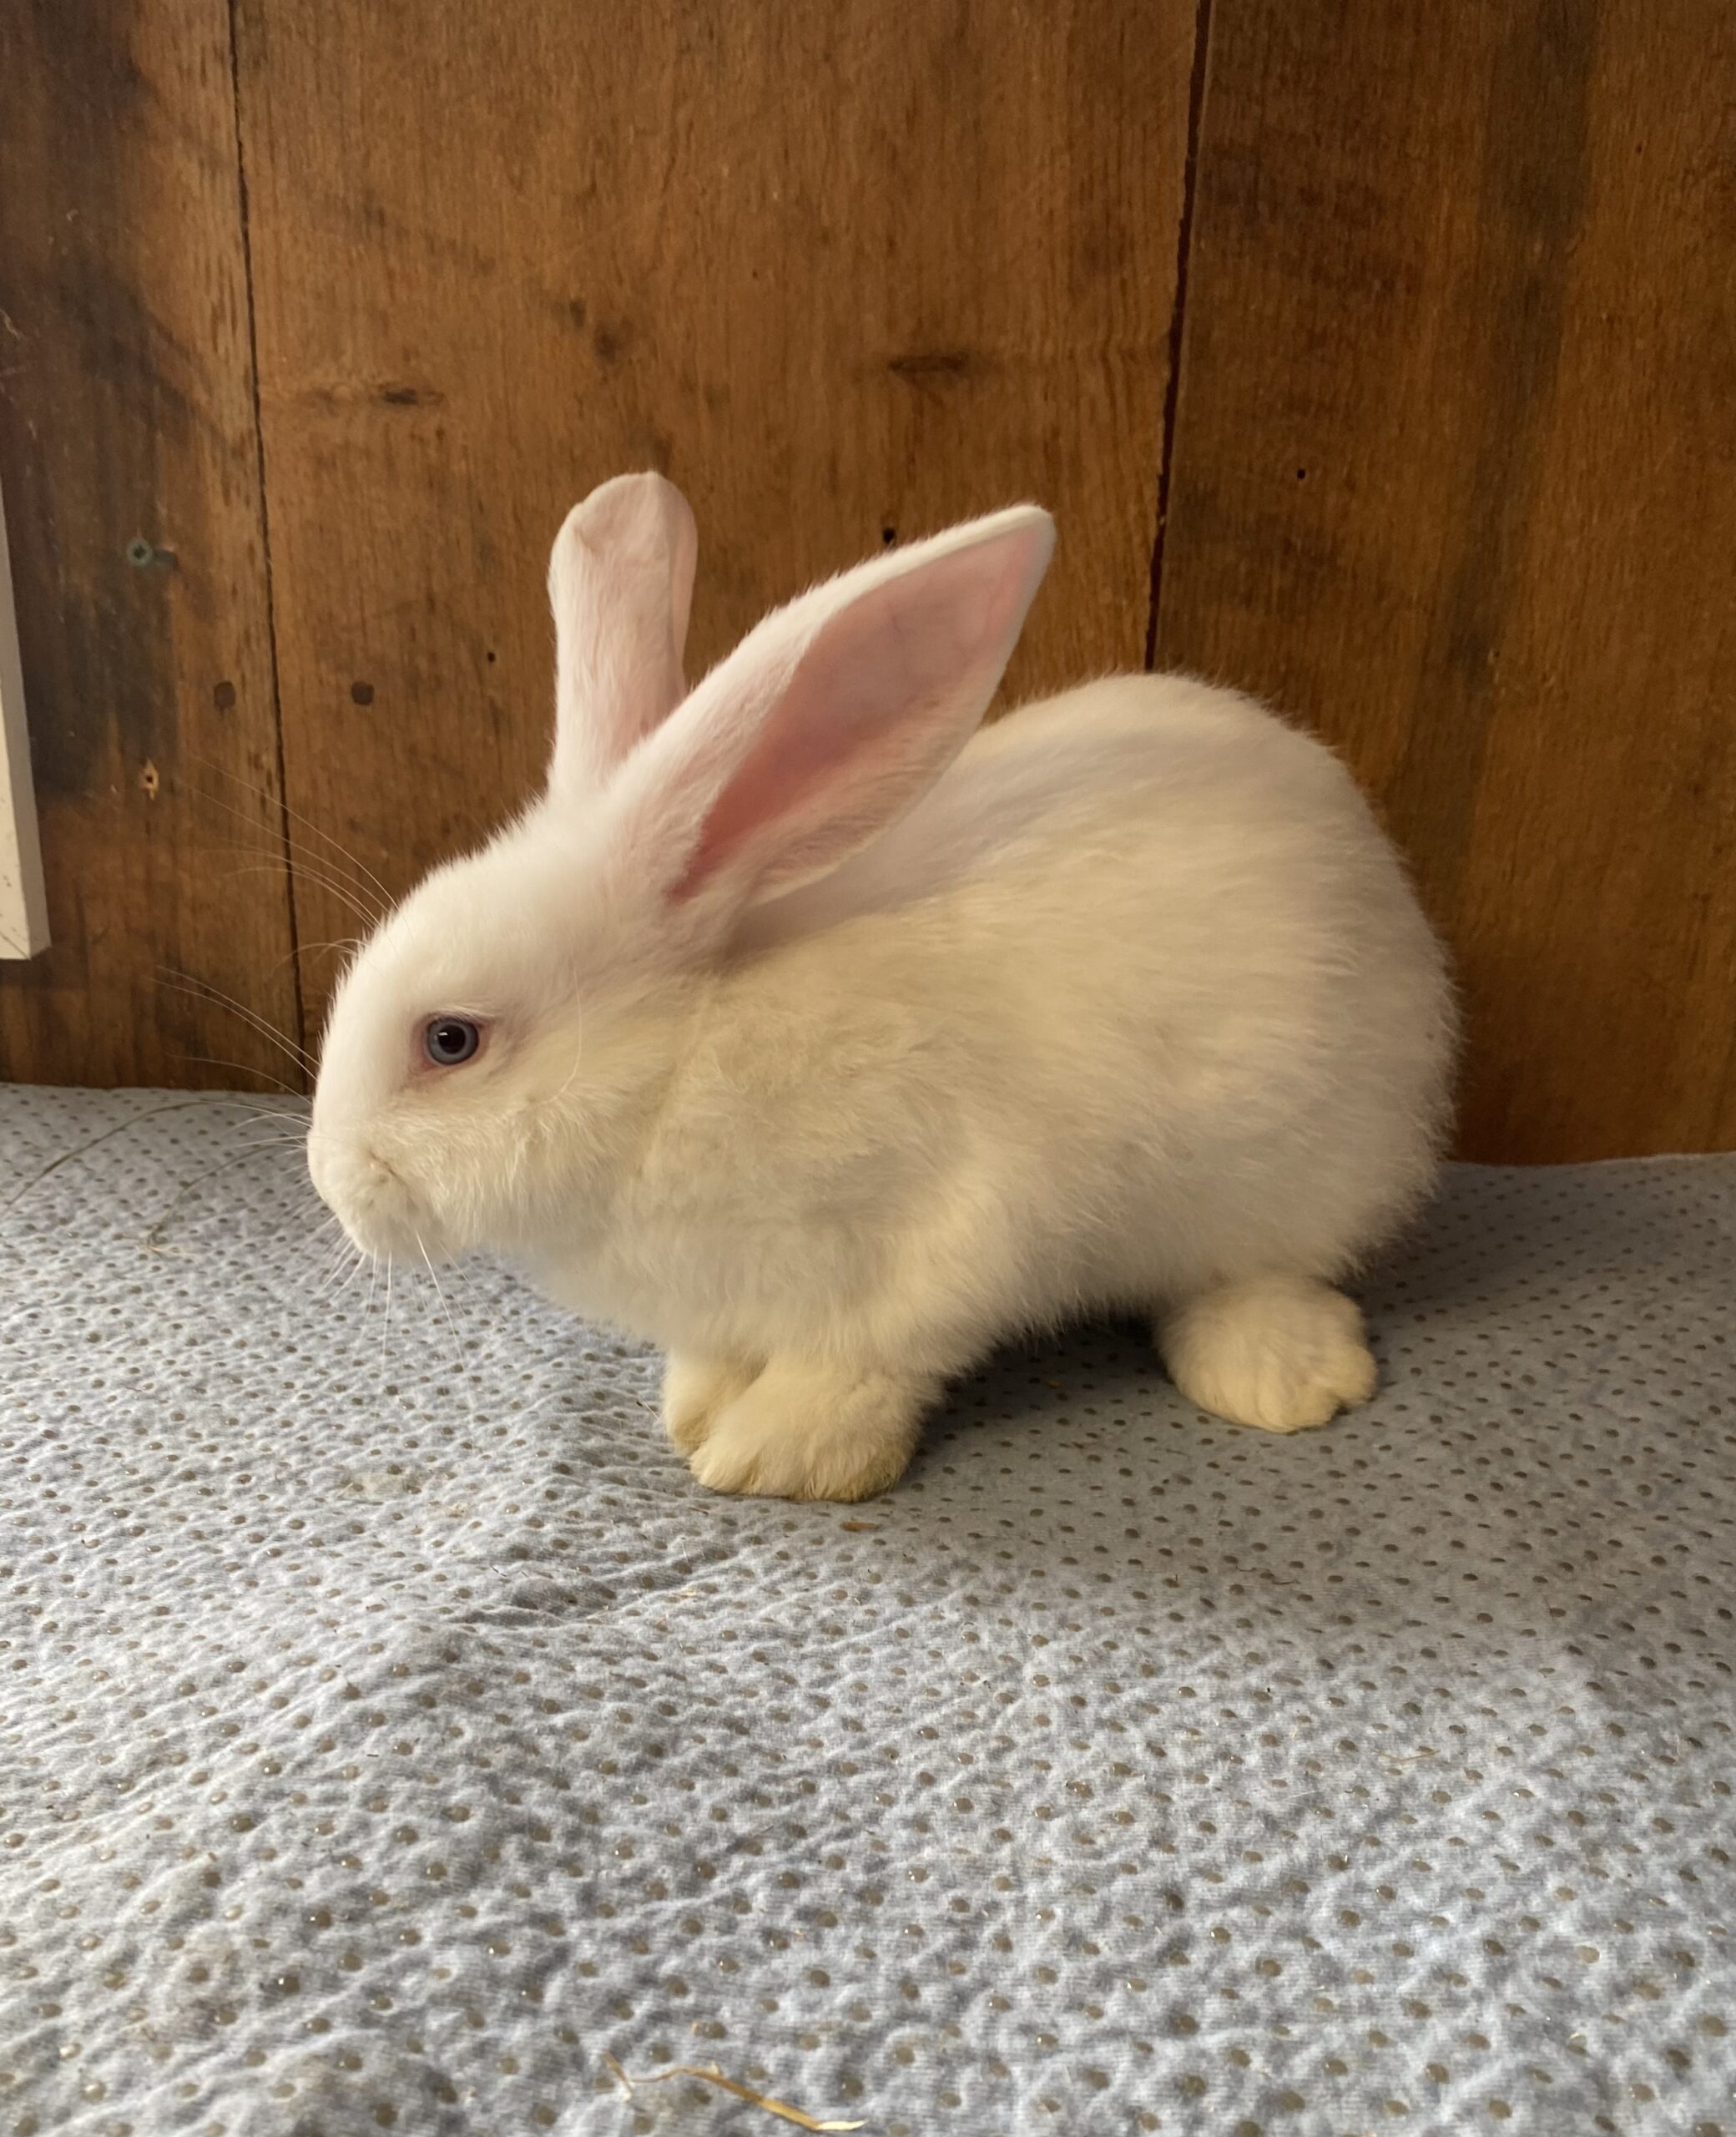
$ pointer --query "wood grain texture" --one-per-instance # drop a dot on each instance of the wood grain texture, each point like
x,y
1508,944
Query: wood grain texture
x,y
845,272
127,417
1453,481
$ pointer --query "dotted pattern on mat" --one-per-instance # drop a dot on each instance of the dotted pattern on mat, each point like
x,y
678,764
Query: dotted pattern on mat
x,y
390,1732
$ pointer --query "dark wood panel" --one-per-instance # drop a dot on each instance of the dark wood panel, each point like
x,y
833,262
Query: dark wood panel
x,y
1454,480
845,272
129,459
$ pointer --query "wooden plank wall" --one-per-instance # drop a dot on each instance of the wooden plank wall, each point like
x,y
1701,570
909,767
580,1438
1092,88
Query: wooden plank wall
x,y
1455,479
129,464
1378,360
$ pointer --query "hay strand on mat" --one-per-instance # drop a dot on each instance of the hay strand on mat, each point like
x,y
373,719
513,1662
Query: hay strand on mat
x,y
713,2076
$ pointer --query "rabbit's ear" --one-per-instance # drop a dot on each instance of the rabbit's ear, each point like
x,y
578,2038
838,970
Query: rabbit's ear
x,y
620,580
830,717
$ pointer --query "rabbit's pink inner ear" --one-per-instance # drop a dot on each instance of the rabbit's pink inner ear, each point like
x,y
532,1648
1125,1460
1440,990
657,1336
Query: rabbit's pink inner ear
x,y
887,690
620,583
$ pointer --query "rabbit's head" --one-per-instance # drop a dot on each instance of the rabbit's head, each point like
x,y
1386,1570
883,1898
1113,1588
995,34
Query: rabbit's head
x,y
497,1047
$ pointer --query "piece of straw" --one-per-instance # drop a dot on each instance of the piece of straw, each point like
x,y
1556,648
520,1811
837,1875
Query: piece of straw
x,y
713,2076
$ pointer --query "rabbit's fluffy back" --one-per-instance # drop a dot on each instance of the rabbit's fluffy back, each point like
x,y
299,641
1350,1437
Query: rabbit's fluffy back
x,y
1136,1000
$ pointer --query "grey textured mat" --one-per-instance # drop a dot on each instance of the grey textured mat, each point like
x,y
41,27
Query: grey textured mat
x,y
389,1729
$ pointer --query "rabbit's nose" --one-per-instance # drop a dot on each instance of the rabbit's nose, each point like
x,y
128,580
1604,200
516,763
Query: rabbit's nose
x,y
362,1191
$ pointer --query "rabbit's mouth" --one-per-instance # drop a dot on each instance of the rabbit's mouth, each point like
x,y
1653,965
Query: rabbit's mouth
x,y
381,1215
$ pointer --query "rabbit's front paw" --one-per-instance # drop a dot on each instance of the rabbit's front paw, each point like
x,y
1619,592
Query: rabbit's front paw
x,y
803,1431
1281,1352
694,1390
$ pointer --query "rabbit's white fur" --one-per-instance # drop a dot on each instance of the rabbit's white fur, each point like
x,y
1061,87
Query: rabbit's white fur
x,y
827,1064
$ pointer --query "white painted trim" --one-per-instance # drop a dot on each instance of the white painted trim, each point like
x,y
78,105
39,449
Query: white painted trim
x,y
23,906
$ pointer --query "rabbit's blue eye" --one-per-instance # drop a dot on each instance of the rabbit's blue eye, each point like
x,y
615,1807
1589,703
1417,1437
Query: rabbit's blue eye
x,y
448,1041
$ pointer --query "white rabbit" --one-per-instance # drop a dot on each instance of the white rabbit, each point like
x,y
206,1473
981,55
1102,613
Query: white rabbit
x,y
827,1041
